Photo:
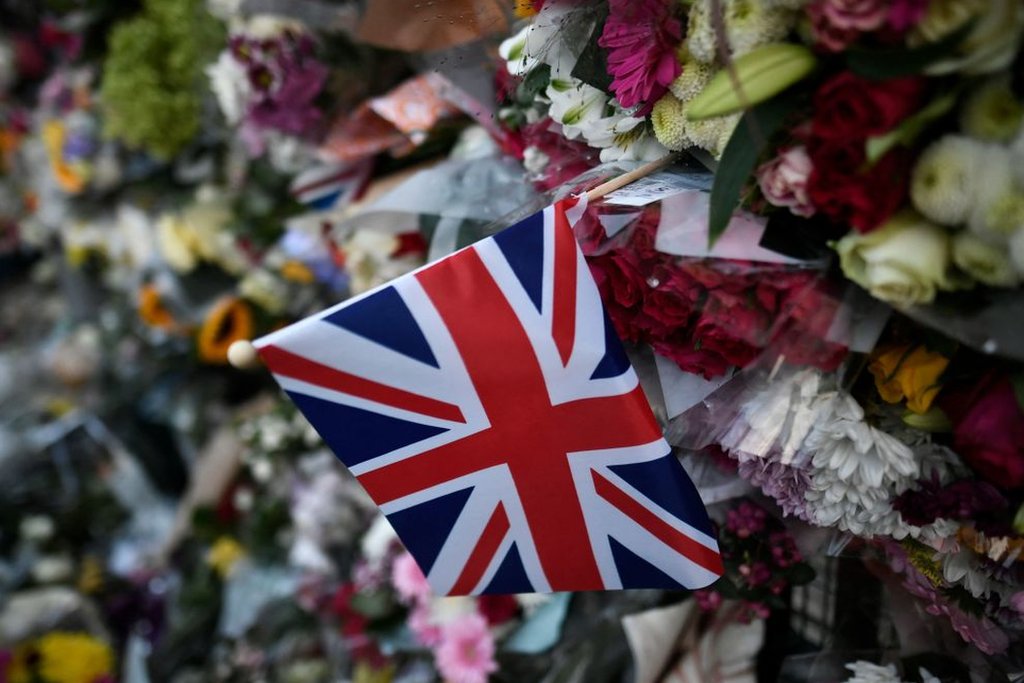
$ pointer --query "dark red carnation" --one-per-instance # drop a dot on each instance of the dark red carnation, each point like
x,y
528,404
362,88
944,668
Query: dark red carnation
x,y
989,432
850,192
848,107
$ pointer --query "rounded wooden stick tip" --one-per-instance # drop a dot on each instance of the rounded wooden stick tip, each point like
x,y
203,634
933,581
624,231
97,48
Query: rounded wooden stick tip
x,y
242,355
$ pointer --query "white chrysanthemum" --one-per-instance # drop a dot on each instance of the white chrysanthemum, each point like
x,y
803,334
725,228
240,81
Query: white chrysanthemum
x,y
943,181
867,672
983,261
265,289
748,24
997,217
992,112
1016,244
855,470
962,568
175,243
993,182
8,66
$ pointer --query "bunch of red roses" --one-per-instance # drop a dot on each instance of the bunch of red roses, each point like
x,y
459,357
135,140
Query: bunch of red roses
x,y
844,184
707,315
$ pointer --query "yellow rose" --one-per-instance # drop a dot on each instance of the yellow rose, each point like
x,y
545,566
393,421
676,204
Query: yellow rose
x,y
903,262
908,372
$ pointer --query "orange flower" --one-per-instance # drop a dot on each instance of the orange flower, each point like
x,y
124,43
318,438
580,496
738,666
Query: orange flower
x,y
525,8
908,372
152,309
229,320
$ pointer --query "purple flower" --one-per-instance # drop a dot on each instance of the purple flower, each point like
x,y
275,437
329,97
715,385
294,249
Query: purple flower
x,y
963,499
787,485
641,37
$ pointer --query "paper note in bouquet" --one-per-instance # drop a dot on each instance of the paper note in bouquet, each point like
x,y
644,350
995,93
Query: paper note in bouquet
x,y
487,406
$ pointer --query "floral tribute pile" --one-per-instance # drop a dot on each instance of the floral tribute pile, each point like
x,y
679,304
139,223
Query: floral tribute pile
x,y
821,296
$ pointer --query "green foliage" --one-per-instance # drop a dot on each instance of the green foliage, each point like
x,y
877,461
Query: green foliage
x,y
153,81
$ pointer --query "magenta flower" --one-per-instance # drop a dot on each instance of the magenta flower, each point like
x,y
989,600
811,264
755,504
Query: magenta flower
x,y
641,37
466,653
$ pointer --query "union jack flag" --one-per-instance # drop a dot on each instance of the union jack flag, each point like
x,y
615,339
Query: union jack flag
x,y
486,405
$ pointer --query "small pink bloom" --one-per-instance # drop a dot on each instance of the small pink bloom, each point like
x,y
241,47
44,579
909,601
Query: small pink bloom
x,y
707,600
1017,601
408,580
905,14
423,627
783,181
860,15
466,653
838,23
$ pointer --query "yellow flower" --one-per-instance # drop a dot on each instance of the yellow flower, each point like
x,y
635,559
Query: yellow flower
x,y
228,321
224,554
90,575
908,372
61,657
296,271
68,178
366,673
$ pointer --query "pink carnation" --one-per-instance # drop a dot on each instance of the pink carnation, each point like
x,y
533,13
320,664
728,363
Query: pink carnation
x,y
408,580
423,627
783,180
641,37
861,15
466,653
837,23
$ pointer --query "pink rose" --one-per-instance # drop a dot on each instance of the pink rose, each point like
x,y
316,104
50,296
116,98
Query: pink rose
x,y
783,180
861,15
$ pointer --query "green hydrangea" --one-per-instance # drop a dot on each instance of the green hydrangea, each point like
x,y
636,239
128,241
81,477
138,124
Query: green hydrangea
x,y
153,85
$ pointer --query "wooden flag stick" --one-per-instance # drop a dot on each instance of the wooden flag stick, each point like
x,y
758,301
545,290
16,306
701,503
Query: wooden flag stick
x,y
626,178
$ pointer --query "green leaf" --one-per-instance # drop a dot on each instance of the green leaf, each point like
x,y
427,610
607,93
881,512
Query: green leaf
x,y
740,156
898,62
1017,381
908,131
373,605
534,82
800,574
592,65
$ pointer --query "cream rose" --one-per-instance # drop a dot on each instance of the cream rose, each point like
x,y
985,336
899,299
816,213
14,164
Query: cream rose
x,y
990,46
903,262
985,262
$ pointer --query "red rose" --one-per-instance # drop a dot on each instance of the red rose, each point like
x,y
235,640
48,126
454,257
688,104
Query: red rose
x,y
497,609
842,188
692,357
668,307
848,107
989,435
622,287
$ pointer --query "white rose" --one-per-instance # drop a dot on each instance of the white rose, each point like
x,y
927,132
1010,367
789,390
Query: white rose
x,y
52,569
983,261
173,239
990,46
903,262
36,528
